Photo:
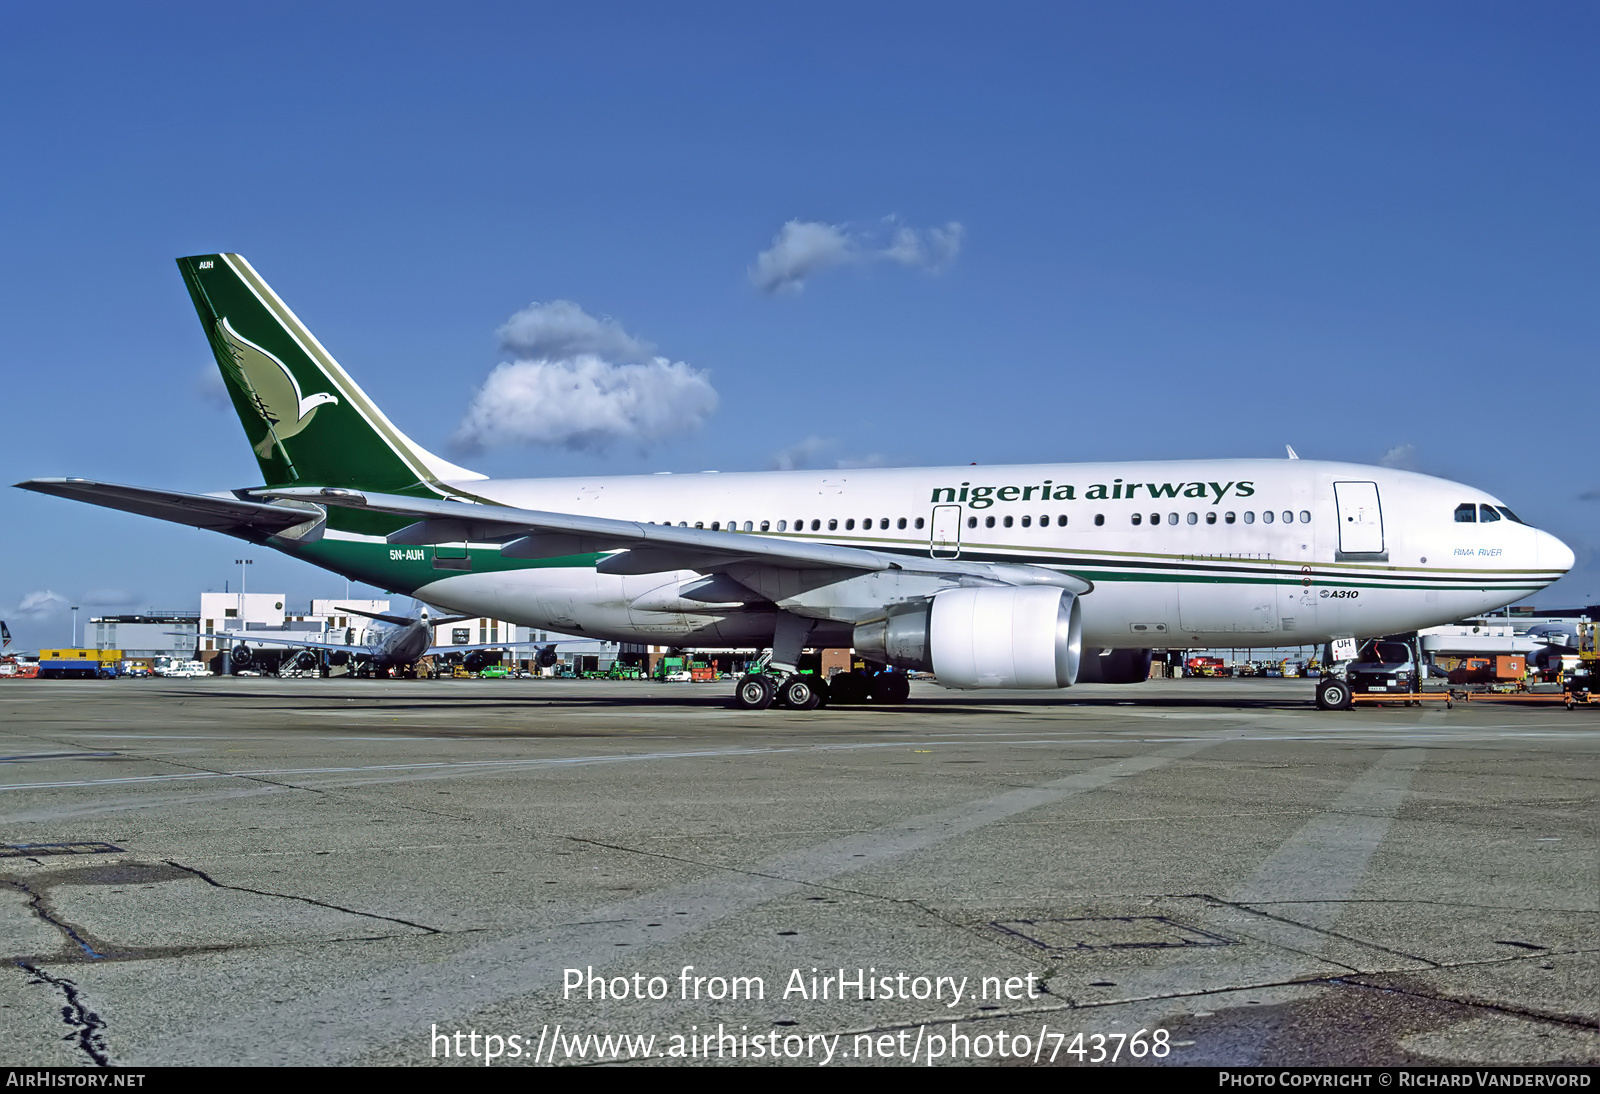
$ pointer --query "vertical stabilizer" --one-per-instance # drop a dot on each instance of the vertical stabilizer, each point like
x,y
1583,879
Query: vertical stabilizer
x,y
308,422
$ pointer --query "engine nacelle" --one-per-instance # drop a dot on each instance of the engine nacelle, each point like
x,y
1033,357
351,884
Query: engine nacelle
x,y
1114,667
240,655
478,660
1028,637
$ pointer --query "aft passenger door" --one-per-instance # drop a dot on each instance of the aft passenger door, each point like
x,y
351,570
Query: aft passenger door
x,y
1360,519
944,541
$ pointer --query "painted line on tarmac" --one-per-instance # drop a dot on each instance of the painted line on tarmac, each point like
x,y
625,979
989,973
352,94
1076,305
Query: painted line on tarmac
x,y
529,763
397,1007
1315,871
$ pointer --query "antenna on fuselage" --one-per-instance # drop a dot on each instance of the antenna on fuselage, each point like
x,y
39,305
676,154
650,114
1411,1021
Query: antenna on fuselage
x,y
1292,454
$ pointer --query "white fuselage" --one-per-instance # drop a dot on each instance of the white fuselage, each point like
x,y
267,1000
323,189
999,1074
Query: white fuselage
x,y
1185,553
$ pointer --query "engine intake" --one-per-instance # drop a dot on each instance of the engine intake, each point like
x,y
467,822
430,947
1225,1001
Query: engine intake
x,y
1028,637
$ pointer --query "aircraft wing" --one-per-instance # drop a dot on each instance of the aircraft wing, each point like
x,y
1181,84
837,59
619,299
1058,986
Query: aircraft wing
x,y
227,513
249,637
643,548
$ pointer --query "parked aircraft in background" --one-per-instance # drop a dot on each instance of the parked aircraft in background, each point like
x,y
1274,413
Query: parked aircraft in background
x,y
399,644
994,577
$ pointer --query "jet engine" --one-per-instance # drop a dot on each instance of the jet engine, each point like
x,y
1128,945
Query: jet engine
x,y
1027,637
241,656
546,657
1114,667
478,660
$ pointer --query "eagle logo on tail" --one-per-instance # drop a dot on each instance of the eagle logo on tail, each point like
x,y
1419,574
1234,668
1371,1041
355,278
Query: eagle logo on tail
x,y
270,388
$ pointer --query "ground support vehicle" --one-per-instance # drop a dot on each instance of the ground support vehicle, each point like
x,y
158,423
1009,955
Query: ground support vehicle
x,y
79,663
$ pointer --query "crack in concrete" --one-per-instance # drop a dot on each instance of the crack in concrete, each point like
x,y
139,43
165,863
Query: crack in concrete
x,y
87,1026
1326,932
36,905
1501,1008
235,774
209,880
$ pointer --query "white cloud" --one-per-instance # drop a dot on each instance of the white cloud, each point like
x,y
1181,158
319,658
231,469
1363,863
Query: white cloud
x,y
561,330
582,383
803,454
817,451
804,247
1402,457
40,604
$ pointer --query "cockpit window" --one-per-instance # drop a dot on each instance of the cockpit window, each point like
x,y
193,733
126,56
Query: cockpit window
x,y
1466,513
1509,515
1486,513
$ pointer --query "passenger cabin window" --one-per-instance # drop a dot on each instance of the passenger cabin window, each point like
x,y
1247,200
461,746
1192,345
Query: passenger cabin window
x,y
1466,513
782,525
972,522
1288,517
1192,518
1305,516
765,525
1266,518
1137,518
1211,518
1249,517
1172,518
1227,518
901,523
919,522
1099,519
1486,513
1027,522
988,522
833,524
816,525
849,525
1061,521
883,523
1008,522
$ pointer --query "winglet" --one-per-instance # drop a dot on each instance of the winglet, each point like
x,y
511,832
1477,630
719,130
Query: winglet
x,y
1292,454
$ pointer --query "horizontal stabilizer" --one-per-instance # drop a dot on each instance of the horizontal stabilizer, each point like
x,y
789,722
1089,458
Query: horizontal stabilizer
x,y
289,519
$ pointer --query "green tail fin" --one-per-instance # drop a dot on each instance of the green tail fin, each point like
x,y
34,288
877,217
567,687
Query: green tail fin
x,y
309,423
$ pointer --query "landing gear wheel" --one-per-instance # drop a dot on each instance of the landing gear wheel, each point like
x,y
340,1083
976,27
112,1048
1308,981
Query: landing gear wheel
x,y
1333,695
891,687
754,692
799,693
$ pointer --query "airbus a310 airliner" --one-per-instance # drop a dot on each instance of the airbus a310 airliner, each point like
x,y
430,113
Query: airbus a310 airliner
x,y
996,577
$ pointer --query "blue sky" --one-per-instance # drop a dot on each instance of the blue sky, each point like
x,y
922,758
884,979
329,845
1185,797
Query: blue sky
x,y
1185,230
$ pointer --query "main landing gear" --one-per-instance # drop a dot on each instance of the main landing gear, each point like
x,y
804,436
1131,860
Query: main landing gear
x,y
776,680
763,688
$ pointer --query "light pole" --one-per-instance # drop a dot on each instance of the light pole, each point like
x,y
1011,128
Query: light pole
x,y
74,626
242,563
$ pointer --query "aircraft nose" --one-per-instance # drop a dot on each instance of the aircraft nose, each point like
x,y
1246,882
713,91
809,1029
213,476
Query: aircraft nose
x,y
1553,554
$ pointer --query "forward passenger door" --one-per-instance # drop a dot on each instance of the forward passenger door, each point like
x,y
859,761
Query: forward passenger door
x,y
944,541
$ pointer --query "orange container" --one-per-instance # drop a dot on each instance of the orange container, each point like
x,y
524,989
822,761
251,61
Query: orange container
x,y
1509,667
